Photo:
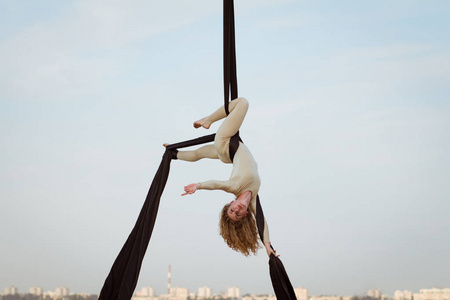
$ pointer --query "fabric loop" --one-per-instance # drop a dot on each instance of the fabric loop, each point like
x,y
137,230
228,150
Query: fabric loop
x,y
174,153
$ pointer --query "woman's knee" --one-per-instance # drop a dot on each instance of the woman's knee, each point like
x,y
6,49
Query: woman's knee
x,y
242,101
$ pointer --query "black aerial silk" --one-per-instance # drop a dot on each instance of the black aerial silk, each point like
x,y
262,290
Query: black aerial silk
x,y
123,276
280,280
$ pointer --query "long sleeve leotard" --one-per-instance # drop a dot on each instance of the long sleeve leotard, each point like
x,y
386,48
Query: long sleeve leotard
x,y
244,176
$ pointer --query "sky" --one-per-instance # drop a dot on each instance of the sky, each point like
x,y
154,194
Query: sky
x,y
349,109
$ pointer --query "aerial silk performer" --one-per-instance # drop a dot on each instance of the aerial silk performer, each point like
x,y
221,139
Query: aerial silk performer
x,y
237,222
237,218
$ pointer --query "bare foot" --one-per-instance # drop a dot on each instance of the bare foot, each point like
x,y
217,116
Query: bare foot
x,y
166,144
202,123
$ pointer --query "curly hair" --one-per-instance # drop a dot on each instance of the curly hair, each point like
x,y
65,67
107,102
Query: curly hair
x,y
242,235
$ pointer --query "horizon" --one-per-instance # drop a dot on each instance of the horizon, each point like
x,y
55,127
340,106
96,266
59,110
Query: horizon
x,y
215,293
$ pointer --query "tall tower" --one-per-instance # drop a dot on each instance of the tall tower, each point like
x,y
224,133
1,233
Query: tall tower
x,y
169,280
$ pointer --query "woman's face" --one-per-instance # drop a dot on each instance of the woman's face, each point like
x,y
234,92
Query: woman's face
x,y
239,208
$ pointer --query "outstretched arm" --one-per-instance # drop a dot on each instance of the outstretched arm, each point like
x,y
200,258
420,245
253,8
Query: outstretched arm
x,y
266,241
207,185
190,189
263,228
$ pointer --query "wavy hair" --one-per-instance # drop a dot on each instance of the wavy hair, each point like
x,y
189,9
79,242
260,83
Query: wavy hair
x,y
242,235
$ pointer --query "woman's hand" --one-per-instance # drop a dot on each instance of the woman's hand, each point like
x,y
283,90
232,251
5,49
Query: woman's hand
x,y
270,250
190,188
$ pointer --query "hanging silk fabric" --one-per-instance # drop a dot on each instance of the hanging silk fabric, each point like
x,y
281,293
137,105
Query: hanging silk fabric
x,y
123,276
280,280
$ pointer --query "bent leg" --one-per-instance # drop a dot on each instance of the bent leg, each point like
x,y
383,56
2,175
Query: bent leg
x,y
219,114
238,109
208,151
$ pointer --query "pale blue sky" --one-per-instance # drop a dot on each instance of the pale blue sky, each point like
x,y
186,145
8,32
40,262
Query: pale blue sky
x,y
348,122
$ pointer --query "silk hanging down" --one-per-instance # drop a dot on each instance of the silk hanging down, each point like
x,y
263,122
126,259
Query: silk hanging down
x,y
280,281
124,273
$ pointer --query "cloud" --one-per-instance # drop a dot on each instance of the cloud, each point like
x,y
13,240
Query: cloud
x,y
113,23
77,53
39,64
397,73
80,52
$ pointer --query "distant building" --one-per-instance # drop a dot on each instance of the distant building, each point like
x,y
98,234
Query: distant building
x,y
204,292
169,279
62,291
146,292
176,293
179,293
11,290
325,298
36,290
259,297
233,293
403,295
374,293
432,294
301,293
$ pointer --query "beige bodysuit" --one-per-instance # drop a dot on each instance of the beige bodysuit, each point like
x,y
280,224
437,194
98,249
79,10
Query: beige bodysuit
x,y
244,176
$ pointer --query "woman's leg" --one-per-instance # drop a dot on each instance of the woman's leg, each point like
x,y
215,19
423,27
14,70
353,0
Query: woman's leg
x,y
208,151
238,109
219,114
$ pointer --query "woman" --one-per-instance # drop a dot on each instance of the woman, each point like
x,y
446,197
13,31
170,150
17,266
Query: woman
x,y
237,219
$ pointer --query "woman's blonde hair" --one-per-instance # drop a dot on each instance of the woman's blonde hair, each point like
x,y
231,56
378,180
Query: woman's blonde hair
x,y
242,235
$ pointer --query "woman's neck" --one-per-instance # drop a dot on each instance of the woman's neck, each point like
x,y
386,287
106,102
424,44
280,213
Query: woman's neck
x,y
245,198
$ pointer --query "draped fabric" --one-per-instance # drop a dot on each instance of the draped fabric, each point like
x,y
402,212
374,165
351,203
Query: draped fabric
x,y
280,280
123,277
229,65
229,54
124,273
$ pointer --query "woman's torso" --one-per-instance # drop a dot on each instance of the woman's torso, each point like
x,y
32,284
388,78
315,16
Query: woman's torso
x,y
244,176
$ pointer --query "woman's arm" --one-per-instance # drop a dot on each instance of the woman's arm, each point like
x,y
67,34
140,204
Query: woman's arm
x,y
266,240
208,185
265,230
190,189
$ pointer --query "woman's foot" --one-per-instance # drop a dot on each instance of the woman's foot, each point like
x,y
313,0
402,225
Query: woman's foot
x,y
202,123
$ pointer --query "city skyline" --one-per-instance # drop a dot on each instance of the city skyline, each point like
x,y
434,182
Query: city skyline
x,y
348,122
435,293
